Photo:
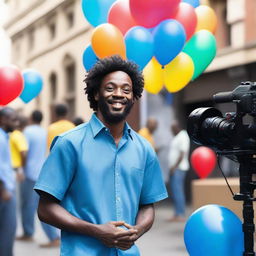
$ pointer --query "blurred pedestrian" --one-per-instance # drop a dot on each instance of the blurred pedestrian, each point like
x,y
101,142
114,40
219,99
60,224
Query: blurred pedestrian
x,y
178,166
77,121
19,147
8,119
61,125
148,131
36,138
101,179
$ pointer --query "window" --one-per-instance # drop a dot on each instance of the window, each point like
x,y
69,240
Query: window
x,y
53,87
31,39
52,31
70,19
70,83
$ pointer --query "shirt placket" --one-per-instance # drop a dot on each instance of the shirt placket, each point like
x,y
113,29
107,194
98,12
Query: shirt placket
x,y
119,211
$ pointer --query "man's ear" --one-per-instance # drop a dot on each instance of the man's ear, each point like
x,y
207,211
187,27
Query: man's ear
x,y
96,96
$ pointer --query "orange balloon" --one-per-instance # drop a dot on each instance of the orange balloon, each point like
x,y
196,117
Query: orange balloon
x,y
107,40
206,18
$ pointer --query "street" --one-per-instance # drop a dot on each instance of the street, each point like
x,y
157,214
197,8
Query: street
x,y
164,238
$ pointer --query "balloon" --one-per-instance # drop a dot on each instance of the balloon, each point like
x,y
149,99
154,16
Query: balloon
x,y
149,13
96,11
178,72
214,230
120,15
203,160
107,40
139,45
11,84
186,15
206,18
33,84
169,39
202,49
194,3
89,58
153,77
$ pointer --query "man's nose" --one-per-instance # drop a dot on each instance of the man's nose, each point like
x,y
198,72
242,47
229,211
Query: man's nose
x,y
118,92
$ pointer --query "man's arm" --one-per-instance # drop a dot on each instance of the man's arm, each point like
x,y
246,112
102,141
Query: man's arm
x,y
144,222
51,212
175,166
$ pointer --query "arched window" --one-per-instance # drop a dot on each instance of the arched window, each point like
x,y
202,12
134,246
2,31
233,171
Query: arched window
x,y
53,94
70,83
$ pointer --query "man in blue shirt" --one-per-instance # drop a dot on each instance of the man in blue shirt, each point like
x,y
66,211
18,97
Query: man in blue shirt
x,y
8,120
101,179
36,137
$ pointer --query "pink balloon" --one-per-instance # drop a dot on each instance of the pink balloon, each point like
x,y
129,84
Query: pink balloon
x,y
149,13
120,15
203,160
186,15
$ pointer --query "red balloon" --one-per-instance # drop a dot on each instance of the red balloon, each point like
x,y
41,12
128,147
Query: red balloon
x,y
11,84
120,16
186,15
203,160
149,13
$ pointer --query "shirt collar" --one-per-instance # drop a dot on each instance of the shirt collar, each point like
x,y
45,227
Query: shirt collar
x,y
97,126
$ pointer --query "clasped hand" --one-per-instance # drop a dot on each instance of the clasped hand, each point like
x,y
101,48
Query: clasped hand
x,y
113,235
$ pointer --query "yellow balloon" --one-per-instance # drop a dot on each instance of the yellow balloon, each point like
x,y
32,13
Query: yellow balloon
x,y
206,18
153,77
178,72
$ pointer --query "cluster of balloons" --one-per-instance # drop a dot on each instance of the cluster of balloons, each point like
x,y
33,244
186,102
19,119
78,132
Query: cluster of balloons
x,y
14,83
172,41
214,230
203,161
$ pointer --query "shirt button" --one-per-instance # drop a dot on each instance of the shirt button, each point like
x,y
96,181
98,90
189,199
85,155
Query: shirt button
x,y
118,199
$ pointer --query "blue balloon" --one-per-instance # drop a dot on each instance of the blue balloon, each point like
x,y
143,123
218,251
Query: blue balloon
x,y
96,11
194,3
139,45
89,58
214,230
33,84
169,39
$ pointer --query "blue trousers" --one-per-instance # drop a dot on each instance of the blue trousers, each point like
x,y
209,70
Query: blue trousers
x,y
29,203
7,226
178,193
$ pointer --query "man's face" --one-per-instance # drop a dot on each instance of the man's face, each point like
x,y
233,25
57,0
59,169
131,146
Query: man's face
x,y
115,97
10,122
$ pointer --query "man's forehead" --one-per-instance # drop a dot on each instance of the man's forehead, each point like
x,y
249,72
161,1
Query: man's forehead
x,y
118,76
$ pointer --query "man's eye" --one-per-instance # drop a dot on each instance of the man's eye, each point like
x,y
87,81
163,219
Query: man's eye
x,y
127,90
109,89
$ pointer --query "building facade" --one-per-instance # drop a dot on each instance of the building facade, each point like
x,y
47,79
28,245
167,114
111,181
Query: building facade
x,y
51,36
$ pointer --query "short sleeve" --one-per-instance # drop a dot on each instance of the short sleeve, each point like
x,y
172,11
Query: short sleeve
x,y
20,141
58,169
153,189
184,142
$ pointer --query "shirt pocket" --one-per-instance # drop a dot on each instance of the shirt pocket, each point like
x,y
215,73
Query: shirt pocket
x,y
137,175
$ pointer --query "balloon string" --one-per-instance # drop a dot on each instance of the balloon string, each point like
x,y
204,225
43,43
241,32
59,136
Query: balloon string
x,y
225,176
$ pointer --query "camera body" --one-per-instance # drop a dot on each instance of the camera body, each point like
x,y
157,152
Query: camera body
x,y
207,126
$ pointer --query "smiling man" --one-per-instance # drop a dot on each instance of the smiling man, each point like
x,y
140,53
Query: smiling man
x,y
101,179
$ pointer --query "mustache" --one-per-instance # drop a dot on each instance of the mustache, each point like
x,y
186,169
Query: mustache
x,y
122,101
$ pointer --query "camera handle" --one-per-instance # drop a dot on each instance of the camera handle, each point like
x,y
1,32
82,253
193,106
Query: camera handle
x,y
247,187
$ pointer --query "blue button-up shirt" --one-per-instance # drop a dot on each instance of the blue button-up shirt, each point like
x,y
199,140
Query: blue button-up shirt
x,y
7,175
99,182
37,144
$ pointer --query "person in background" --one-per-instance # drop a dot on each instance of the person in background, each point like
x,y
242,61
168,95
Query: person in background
x,y
36,138
147,132
178,165
77,121
19,147
101,179
8,119
61,125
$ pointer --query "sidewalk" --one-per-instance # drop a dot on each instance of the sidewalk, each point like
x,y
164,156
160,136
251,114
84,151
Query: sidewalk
x,y
164,238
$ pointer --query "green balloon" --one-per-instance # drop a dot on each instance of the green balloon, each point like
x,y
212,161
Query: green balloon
x,y
202,49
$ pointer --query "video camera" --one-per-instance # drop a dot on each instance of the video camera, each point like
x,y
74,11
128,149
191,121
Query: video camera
x,y
231,136
207,126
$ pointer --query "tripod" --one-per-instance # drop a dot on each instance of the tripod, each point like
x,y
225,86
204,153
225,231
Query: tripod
x,y
247,167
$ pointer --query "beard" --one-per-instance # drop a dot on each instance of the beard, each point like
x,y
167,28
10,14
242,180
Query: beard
x,y
110,117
